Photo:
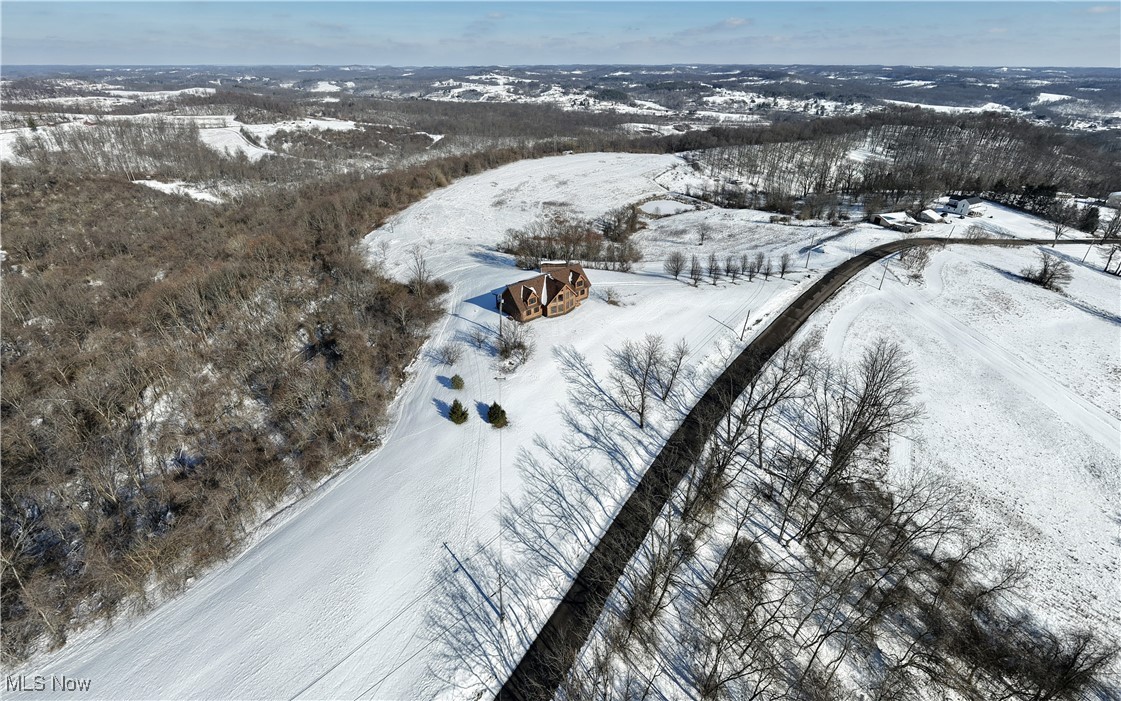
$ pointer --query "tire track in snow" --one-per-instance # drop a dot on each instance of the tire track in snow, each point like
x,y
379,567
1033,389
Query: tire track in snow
x,y
1031,379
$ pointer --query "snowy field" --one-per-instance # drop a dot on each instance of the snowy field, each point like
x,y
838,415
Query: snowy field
x,y
332,598
1020,387
219,132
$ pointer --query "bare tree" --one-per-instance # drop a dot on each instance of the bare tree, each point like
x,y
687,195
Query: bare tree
x,y
419,275
732,267
1108,253
671,369
714,268
1112,228
703,231
765,268
975,231
750,265
1062,217
784,265
695,271
634,373
674,264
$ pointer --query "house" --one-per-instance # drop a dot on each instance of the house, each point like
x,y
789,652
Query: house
x,y
899,221
560,288
929,215
962,205
1113,200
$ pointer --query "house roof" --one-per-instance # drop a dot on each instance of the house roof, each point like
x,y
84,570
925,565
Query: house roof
x,y
545,286
568,272
973,199
898,217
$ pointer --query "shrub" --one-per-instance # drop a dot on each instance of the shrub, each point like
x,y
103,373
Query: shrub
x,y
1053,273
458,413
496,416
449,353
514,344
457,382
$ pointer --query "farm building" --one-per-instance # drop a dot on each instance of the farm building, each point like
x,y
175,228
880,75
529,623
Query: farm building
x,y
899,221
1113,200
560,288
962,205
930,216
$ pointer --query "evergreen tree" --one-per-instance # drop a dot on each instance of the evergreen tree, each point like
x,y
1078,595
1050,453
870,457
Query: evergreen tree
x,y
457,382
496,415
1088,220
458,413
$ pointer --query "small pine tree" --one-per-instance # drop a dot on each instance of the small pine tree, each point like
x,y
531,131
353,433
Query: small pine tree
x,y
458,413
457,382
496,415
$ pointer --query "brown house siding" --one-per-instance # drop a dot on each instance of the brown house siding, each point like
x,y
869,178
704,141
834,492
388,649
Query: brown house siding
x,y
557,290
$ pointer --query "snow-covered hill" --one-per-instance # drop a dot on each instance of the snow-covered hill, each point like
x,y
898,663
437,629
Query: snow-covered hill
x,y
333,597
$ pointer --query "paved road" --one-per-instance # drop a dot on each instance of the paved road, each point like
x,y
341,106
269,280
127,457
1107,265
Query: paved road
x,y
549,657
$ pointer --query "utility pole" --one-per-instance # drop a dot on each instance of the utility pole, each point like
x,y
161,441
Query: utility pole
x,y
808,250
745,319
498,307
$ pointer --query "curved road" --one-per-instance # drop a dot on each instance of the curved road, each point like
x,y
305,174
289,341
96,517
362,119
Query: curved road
x,y
549,657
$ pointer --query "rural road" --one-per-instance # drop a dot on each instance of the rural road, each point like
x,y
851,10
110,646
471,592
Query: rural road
x,y
549,657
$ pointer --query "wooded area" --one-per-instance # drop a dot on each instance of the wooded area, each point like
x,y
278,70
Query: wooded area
x,y
173,369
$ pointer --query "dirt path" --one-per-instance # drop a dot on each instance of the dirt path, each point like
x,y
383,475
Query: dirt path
x,y
549,657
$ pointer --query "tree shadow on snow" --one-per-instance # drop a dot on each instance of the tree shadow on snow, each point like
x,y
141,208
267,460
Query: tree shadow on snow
x,y
442,407
487,257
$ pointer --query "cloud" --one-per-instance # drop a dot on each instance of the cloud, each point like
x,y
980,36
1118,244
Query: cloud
x,y
724,25
1101,9
484,25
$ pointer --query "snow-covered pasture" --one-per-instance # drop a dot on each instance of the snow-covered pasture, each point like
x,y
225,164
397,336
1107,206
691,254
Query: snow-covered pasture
x,y
1022,411
336,596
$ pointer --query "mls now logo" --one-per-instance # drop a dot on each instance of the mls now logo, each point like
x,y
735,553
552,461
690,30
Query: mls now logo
x,y
38,682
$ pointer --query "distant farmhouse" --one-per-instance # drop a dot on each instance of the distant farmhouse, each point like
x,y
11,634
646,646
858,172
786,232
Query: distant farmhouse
x,y
560,288
899,221
963,206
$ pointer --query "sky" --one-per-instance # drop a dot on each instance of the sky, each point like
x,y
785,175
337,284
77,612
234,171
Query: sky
x,y
157,32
